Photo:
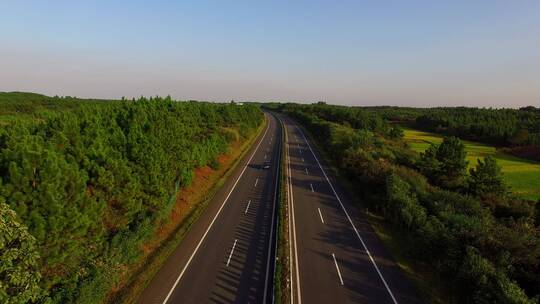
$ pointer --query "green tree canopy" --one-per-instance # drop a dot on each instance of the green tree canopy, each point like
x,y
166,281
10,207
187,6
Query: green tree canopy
x,y
19,274
445,164
92,180
396,132
486,178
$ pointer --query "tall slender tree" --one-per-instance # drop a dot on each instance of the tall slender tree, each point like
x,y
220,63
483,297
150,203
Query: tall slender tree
x,y
486,178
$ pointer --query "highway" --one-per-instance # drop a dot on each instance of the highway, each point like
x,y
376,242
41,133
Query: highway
x,y
336,256
228,254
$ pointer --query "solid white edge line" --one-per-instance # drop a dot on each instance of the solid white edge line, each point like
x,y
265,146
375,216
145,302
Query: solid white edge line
x,y
272,233
298,290
337,267
215,217
289,214
230,254
320,214
350,221
247,207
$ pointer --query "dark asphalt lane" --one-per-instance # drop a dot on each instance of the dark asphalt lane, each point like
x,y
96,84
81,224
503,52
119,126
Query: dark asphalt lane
x,y
228,254
340,258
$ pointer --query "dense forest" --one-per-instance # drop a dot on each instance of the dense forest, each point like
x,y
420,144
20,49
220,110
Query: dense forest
x,y
84,183
483,242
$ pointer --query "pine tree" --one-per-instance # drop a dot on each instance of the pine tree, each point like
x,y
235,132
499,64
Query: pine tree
x,y
486,178
451,156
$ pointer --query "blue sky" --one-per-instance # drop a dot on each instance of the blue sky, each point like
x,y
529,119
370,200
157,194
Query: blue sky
x,y
417,53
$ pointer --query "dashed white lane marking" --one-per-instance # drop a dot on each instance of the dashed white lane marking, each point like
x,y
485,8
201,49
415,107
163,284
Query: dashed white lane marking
x,y
302,159
337,267
247,206
351,222
311,185
307,172
232,250
256,182
264,156
320,214
213,220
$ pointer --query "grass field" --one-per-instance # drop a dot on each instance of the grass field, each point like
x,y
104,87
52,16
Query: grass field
x,y
523,176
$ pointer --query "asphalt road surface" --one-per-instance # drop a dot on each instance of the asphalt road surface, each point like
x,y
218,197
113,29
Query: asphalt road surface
x,y
228,254
337,257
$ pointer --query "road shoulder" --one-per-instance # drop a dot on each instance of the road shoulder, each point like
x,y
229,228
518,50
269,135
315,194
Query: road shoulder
x,y
157,267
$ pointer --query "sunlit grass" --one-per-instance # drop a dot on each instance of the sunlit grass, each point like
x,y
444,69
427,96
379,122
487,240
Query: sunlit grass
x,y
523,176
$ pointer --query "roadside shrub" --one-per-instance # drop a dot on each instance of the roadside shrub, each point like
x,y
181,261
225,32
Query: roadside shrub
x,y
480,282
214,164
402,204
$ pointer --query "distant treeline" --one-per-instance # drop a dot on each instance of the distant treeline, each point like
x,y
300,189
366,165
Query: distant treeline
x,y
516,130
482,241
503,127
18,105
83,184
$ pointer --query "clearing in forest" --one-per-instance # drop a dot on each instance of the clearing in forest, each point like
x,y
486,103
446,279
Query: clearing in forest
x,y
522,175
